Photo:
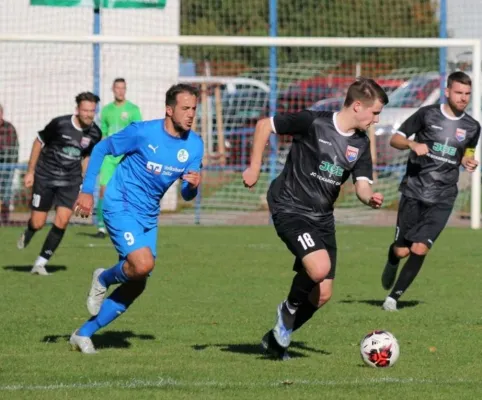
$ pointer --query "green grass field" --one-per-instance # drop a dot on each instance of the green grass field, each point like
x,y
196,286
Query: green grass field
x,y
195,332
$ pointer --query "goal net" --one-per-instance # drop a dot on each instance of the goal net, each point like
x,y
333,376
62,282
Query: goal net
x,y
243,74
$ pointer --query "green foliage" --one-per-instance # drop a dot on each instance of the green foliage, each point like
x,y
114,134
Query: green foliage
x,y
312,18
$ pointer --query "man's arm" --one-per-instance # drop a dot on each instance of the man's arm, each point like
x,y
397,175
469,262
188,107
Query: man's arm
x,y
468,160
400,142
32,163
261,137
365,194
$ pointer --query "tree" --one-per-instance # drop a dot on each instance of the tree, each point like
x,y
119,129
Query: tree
x,y
311,18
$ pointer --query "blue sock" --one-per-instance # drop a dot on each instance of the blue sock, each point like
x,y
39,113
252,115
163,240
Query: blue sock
x,y
112,307
113,275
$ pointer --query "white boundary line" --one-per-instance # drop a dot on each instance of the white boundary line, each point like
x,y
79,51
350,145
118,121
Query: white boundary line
x,y
169,382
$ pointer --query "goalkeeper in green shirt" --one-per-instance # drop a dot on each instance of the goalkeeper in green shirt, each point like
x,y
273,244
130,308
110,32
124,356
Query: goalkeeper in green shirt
x,y
114,117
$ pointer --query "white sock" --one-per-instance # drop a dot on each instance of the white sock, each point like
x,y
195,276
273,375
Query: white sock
x,y
102,230
41,261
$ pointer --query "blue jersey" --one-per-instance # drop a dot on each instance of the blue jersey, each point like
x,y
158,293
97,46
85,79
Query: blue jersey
x,y
153,161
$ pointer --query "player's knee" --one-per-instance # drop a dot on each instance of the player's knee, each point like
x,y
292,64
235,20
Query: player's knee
x,y
37,223
317,265
419,249
144,266
401,252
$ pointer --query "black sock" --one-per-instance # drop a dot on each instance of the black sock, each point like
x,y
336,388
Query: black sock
x,y
407,275
52,242
300,288
304,314
392,258
29,232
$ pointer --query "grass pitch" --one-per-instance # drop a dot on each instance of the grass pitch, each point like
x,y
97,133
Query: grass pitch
x,y
195,332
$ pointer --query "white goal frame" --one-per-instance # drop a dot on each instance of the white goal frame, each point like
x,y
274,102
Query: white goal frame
x,y
473,44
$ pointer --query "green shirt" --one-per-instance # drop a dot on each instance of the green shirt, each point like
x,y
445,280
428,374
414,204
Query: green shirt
x,y
114,118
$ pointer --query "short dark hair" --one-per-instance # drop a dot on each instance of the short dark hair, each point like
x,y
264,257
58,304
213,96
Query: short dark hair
x,y
174,90
365,90
460,77
86,96
118,80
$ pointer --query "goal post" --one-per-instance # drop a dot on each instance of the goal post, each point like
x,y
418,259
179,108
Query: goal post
x,y
223,42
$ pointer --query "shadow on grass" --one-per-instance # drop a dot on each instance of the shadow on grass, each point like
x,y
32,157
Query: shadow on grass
x,y
92,235
27,268
256,349
378,303
105,340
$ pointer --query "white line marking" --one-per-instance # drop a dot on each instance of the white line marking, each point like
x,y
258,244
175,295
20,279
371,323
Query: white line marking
x,y
168,382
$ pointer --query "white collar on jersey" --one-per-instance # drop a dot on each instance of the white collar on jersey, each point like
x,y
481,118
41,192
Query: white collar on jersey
x,y
338,129
73,123
448,116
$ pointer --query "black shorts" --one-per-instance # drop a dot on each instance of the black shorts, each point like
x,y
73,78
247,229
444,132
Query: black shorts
x,y
419,222
303,236
44,195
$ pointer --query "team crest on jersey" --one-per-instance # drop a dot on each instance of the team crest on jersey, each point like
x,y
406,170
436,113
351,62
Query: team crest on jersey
x,y
124,115
84,142
460,134
351,153
182,155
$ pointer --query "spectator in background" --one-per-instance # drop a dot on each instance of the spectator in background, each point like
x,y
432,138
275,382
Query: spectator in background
x,y
8,156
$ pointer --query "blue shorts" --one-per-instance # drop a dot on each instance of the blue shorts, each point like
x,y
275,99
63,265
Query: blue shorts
x,y
128,235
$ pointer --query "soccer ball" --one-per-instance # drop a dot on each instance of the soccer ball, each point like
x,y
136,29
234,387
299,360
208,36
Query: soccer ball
x,y
379,349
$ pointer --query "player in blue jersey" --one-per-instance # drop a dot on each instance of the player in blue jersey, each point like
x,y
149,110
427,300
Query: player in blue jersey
x,y
157,153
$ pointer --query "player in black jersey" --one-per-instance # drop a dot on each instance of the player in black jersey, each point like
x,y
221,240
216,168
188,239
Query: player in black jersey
x,y
59,156
327,148
445,138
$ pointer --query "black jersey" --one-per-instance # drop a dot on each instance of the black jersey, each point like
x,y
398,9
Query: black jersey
x,y
321,159
64,147
433,178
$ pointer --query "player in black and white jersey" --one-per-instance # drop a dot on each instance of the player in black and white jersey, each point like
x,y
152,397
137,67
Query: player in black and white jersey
x,y
59,156
445,137
327,148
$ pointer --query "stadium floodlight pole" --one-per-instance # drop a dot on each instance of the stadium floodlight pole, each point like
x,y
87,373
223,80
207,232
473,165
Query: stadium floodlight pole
x,y
273,85
281,41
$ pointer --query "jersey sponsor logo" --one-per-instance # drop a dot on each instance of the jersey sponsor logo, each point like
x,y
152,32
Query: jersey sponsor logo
x,y
460,134
182,155
124,115
84,142
351,153
154,168
332,169
169,170
324,142
153,148
437,127
444,149
71,151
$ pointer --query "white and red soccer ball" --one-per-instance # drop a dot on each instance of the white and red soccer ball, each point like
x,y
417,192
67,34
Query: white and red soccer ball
x,y
379,349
